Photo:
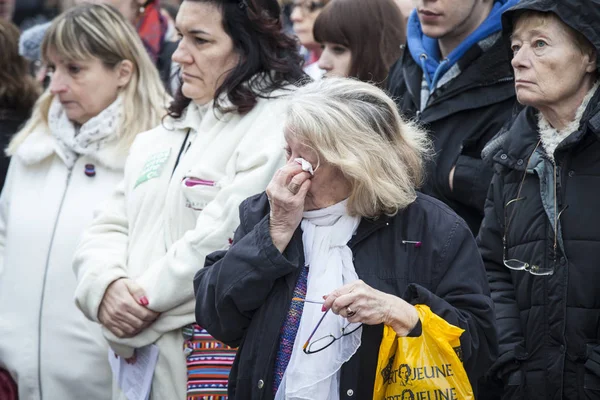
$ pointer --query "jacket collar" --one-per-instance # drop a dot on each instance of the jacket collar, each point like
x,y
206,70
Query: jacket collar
x,y
490,70
513,147
367,226
258,205
192,116
591,116
40,144
425,50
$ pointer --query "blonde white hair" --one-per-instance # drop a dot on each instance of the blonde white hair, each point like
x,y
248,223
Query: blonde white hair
x,y
99,31
355,127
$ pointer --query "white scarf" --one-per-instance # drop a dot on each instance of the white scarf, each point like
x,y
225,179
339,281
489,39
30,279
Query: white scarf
x,y
91,136
326,233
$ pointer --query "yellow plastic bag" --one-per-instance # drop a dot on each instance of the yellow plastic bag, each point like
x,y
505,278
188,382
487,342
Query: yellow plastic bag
x,y
427,367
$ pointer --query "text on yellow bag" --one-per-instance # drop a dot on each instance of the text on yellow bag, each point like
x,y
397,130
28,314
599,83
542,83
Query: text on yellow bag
x,y
427,367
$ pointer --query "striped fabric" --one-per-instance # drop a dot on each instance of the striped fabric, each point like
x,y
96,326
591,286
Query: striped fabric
x,y
290,329
208,363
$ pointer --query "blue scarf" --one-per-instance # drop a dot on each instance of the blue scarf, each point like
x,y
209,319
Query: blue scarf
x,y
426,52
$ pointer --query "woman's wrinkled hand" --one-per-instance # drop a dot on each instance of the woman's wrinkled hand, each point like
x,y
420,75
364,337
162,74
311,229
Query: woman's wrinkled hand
x,y
286,192
123,309
359,302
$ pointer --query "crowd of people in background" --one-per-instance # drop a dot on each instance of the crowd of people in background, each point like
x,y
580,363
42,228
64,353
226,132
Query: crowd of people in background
x,y
256,187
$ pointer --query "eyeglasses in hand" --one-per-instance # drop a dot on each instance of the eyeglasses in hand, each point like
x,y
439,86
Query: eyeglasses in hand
x,y
314,346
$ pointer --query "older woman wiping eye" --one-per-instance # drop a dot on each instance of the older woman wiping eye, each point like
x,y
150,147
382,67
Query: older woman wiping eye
x,y
320,262
540,239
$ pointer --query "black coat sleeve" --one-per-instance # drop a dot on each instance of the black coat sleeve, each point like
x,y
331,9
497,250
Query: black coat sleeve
x,y
234,284
462,298
472,178
503,293
472,175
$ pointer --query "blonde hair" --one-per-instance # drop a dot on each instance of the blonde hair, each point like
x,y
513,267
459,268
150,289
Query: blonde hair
x,y
98,31
355,127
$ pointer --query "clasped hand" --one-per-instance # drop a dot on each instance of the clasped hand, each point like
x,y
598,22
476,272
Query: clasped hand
x,y
123,309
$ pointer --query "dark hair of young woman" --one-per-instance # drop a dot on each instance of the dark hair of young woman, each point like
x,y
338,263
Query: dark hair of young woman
x,y
373,30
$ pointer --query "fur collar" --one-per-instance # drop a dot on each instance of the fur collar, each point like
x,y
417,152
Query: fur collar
x,y
192,116
552,137
40,144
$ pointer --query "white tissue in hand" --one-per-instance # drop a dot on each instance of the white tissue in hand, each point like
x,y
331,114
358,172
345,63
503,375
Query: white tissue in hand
x,y
306,166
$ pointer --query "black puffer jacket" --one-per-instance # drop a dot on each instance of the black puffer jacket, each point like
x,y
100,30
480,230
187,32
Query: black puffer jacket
x,y
243,295
461,116
548,326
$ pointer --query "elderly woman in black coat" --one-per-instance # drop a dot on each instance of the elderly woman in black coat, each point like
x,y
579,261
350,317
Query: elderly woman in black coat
x,y
341,225
540,238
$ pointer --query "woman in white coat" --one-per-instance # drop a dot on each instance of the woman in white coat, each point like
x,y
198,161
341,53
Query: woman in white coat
x,y
68,158
184,181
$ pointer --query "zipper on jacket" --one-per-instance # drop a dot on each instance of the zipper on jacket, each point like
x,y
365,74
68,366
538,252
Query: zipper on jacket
x,y
62,200
556,210
559,185
561,182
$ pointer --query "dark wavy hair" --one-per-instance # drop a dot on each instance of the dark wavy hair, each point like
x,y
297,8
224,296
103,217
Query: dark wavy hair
x,y
265,51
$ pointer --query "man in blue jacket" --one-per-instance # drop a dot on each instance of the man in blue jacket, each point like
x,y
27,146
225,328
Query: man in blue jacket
x,y
455,78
